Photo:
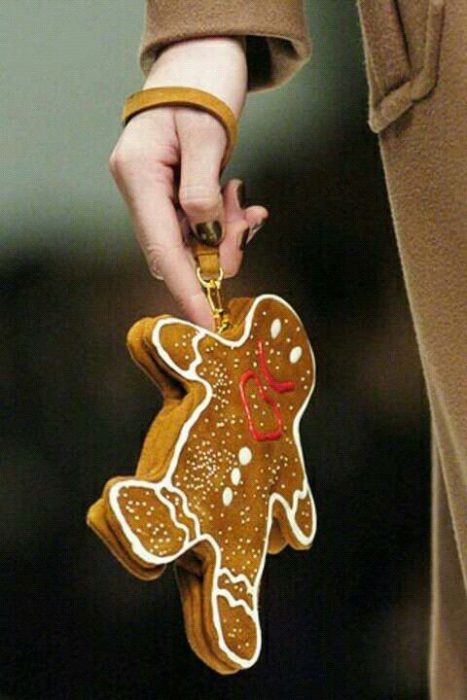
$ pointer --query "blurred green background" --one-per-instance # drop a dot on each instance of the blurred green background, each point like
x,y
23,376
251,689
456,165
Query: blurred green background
x,y
66,69
349,619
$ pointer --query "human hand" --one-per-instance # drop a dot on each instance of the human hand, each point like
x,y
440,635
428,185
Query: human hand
x,y
167,165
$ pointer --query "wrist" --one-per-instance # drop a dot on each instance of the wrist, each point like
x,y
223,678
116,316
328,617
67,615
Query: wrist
x,y
214,64
202,47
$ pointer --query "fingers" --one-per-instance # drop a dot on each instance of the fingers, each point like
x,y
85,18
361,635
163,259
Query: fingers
x,y
146,179
158,231
240,226
144,165
202,144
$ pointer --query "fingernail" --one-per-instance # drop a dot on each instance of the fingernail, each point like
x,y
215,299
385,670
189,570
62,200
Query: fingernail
x,y
241,195
247,235
208,232
254,229
244,239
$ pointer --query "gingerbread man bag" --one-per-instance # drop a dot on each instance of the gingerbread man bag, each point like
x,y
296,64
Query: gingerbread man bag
x,y
221,480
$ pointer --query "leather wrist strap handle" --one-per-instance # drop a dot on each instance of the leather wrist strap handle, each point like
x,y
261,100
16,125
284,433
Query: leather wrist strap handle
x,y
187,97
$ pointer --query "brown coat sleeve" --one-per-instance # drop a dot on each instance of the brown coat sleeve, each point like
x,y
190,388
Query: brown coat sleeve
x,y
277,38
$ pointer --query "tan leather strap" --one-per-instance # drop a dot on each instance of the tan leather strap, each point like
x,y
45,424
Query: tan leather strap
x,y
187,97
207,259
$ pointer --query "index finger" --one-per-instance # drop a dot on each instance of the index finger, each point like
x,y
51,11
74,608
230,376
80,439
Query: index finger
x,y
159,234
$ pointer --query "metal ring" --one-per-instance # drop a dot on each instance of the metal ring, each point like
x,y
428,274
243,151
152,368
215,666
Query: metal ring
x,y
206,283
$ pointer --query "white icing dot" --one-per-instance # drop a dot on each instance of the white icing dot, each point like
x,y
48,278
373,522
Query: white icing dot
x,y
276,326
236,476
244,455
295,354
227,496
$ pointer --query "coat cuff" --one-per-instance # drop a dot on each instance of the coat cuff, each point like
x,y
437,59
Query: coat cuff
x,y
277,38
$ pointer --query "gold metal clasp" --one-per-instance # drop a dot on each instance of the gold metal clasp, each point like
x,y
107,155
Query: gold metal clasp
x,y
213,289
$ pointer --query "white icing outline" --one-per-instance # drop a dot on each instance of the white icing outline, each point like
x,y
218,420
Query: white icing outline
x,y
234,603
166,482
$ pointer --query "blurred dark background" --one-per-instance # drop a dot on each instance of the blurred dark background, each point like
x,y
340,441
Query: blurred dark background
x,y
349,618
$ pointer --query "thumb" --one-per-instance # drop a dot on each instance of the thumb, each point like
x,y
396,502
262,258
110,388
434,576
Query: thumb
x,y
202,142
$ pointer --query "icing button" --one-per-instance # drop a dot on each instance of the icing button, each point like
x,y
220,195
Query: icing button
x,y
276,326
227,496
244,456
235,476
295,354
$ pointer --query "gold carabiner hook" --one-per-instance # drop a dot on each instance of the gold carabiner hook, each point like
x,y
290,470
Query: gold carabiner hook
x,y
212,287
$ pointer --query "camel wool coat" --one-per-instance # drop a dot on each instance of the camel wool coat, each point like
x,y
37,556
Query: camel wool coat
x,y
416,64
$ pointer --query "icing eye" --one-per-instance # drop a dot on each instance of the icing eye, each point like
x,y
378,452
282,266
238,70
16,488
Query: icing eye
x,y
227,496
235,476
295,354
276,326
244,455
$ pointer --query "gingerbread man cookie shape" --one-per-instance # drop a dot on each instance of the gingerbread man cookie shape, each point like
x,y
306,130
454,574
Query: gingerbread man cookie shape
x,y
229,479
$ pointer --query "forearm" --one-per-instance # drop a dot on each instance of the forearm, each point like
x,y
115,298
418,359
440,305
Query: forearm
x,y
275,31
